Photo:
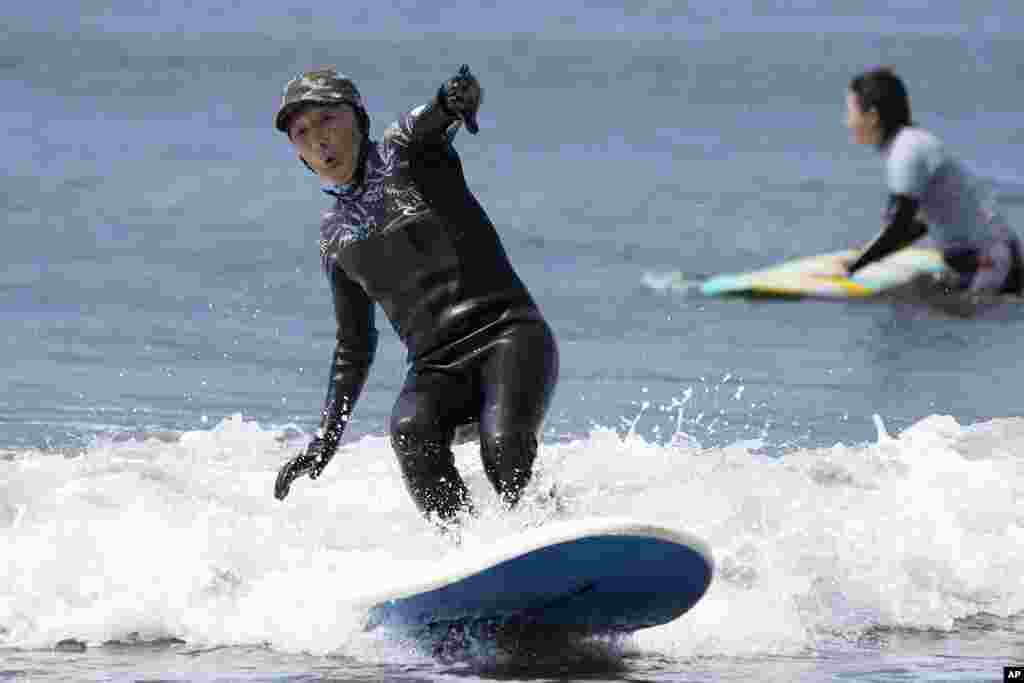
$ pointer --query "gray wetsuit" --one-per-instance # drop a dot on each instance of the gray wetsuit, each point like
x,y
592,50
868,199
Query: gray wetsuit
x,y
962,215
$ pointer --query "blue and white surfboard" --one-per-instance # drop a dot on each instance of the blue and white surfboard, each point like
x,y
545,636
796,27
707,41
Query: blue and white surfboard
x,y
587,576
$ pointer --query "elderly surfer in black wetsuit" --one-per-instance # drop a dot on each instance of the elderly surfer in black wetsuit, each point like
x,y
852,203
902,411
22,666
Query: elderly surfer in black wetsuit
x,y
405,232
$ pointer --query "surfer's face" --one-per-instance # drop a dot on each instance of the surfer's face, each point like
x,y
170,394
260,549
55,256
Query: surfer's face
x,y
328,139
865,125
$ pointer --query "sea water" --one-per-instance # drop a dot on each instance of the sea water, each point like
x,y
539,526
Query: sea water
x,y
854,467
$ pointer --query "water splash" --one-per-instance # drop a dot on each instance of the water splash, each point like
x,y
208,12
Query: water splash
x,y
158,539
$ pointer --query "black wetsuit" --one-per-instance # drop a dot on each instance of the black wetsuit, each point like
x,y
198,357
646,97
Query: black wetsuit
x,y
411,237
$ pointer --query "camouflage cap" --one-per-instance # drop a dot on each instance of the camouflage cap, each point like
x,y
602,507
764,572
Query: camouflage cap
x,y
320,86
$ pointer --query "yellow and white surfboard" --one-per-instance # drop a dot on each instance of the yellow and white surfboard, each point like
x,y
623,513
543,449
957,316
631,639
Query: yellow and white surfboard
x,y
825,276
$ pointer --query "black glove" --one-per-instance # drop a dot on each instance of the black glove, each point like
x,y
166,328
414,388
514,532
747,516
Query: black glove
x,y
312,461
461,96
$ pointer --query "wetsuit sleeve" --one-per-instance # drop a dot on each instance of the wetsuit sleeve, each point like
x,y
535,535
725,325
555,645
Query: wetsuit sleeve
x,y
902,228
353,353
426,124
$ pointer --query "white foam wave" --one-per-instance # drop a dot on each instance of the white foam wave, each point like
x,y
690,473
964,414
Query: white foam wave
x,y
158,539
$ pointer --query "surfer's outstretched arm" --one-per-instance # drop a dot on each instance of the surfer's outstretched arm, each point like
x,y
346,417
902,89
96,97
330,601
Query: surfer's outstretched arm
x,y
456,102
902,228
350,366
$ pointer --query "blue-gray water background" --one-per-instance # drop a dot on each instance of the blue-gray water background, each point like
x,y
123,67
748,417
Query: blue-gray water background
x,y
161,296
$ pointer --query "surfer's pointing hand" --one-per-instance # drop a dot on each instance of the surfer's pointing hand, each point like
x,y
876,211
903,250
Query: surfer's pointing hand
x,y
461,96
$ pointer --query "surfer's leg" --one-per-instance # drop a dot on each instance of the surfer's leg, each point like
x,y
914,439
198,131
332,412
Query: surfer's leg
x,y
422,428
517,381
1014,283
994,265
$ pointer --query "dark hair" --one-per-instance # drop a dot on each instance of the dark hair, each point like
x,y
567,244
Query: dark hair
x,y
882,90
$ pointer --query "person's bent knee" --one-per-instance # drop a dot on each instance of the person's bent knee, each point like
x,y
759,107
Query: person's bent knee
x,y
411,434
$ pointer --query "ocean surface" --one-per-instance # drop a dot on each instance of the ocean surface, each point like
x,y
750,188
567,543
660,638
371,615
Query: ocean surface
x,y
856,467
